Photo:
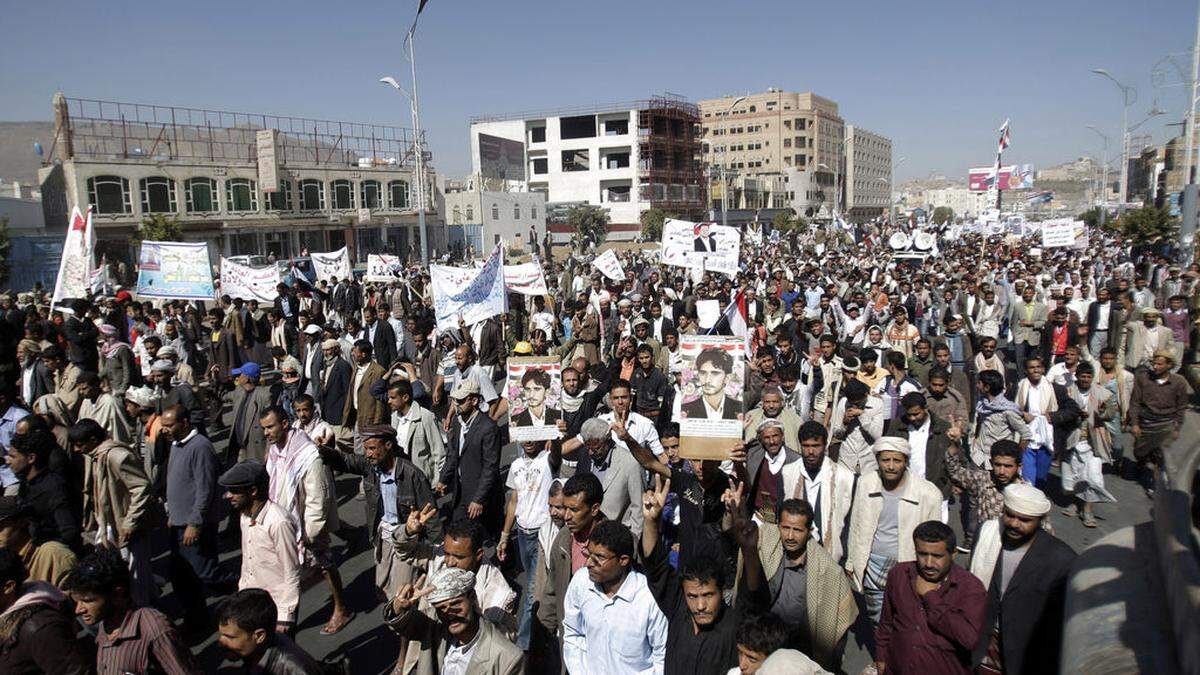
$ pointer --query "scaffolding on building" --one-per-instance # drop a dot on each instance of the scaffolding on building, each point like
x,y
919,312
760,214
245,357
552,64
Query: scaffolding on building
x,y
670,175
113,130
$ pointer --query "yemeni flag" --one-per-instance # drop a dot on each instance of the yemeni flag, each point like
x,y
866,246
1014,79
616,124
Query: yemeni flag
x,y
735,315
1005,140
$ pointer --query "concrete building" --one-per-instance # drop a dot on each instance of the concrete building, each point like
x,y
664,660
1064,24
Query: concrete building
x,y
959,199
768,134
337,183
623,157
868,173
486,218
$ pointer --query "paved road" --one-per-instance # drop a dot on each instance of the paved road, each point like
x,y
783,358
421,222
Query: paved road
x,y
370,646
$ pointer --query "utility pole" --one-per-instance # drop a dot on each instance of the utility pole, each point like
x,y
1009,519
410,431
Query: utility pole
x,y
1190,128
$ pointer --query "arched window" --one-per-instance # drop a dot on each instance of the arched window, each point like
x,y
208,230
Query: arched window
x,y
241,194
369,195
158,195
457,216
398,194
343,194
281,199
312,195
533,212
109,194
495,211
470,213
201,195
517,211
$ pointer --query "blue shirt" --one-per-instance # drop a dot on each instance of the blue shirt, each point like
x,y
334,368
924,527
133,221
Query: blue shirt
x,y
8,426
387,493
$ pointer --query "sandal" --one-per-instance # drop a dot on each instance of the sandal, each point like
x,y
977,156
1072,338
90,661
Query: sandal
x,y
331,628
1071,511
1089,521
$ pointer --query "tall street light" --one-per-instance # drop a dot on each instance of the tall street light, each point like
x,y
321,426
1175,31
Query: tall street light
x,y
891,200
418,140
1129,97
724,148
1104,174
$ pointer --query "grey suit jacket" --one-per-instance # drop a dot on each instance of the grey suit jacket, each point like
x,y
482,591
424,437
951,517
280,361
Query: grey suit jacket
x,y
1028,334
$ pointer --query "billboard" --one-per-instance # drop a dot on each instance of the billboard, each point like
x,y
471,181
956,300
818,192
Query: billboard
x,y
501,158
1012,177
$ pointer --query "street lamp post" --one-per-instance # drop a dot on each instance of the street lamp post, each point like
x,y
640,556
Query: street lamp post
x,y
724,148
1128,97
892,210
418,143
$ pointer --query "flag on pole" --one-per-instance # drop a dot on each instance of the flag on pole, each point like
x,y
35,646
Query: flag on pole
x,y
75,268
1005,141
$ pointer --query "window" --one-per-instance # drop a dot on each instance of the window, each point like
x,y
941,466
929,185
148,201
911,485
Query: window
x,y
201,195
457,216
537,135
616,127
369,194
541,166
618,193
753,108
517,211
241,194
281,199
495,211
577,127
158,195
616,160
312,195
398,195
343,194
574,160
533,212
470,213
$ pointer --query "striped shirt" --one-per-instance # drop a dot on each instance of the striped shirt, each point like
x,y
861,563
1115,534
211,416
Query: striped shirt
x,y
146,642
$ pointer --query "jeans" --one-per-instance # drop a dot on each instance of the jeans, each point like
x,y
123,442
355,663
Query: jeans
x,y
527,548
192,567
1035,464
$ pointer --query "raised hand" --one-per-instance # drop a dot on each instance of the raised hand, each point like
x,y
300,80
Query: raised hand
x,y
408,597
737,454
655,499
417,519
745,533
734,497
956,429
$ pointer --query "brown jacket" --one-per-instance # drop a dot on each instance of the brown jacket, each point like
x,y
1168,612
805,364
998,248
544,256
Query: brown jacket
x,y
370,409
117,492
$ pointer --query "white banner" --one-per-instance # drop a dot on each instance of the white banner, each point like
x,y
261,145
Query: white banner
x,y
329,265
526,279
249,283
608,264
75,268
474,295
383,268
1058,232
701,246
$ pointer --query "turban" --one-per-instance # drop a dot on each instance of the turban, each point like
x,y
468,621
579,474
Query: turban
x,y
330,344
142,397
892,444
162,366
165,351
108,329
451,583
1026,500
30,346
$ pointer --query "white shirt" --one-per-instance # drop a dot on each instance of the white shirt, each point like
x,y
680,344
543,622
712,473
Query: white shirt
x,y
642,430
403,422
530,480
359,373
917,440
27,383
318,430
458,656
1102,315
626,633
812,493
711,412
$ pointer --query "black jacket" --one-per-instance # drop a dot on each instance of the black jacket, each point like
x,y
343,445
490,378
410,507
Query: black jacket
x,y
42,384
1031,610
53,519
332,395
935,449
384,343
81,344
472,468
40,638
412,488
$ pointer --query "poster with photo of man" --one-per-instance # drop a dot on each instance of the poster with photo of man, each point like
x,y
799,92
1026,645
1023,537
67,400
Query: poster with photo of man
x,y
710,410
534,391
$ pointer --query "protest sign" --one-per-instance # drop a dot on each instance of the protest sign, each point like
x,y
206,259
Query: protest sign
x,y
1058,232
383,268
249,283
710,410
534,393
174,270
608,265
526,279
701,246
330,265
75,267
473,294
708,312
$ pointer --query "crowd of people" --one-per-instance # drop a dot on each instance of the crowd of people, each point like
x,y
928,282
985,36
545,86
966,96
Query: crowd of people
x,y
909,425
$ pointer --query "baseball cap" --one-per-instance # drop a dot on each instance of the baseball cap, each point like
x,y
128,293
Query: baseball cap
x,y
250,370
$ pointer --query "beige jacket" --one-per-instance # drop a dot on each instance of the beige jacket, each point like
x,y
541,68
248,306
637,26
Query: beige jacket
x,y
854,445
117,492
427,643
920,501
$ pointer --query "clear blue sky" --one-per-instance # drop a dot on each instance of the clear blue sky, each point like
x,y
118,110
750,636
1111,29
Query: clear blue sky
x,y
938,77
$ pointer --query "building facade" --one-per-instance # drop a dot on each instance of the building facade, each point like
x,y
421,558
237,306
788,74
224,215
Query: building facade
x,y
775,133
868,173
488,217
334,183
625,158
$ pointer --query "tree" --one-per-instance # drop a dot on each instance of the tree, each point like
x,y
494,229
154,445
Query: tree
x,y
652,223
1148,226
590,224
785,222
1091,217
157,227
5,247
942,215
